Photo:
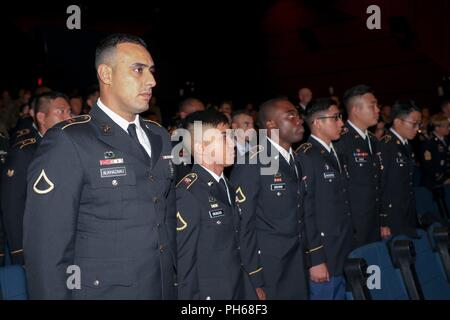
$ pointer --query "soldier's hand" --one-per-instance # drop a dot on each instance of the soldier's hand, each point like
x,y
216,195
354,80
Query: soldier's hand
x,y
385,232
319,273
261,294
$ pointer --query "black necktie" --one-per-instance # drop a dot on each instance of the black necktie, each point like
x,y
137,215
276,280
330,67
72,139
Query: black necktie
x,y
292,164
224,188
132,132
335,156
369,143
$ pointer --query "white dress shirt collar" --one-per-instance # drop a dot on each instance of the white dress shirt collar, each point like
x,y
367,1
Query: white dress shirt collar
x,y
403,141
328,147
121,122
286,154
360,132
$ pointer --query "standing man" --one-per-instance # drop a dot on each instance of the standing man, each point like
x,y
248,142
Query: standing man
x,y
51,108
328,221
268,191
304,96
398,210
100,198
359,149
183,160
243,127
209,236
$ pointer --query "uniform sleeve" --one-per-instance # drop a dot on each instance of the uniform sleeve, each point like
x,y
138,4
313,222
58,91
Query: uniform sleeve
x,y
315,245
430,163
2,240
386,196
188,232
55,179
246,178
14,188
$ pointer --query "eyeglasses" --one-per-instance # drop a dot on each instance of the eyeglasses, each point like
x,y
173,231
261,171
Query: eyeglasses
x,y
336,117
414,124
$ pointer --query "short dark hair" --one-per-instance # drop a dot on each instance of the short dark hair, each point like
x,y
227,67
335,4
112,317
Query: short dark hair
x,y
317,106
402,108
208,117
266,108
355,92
107,45
44,99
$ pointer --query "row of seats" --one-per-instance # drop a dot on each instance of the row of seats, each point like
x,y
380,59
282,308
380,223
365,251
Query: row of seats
x,y
12,281
410,268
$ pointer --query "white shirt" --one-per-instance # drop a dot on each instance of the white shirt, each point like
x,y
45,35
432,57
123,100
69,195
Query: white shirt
x,y
217,178
364,135
404,141
360,132
241,148
328,147
121,122
286,154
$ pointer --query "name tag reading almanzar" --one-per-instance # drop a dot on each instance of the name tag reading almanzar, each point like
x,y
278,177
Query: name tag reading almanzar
x,y
113,172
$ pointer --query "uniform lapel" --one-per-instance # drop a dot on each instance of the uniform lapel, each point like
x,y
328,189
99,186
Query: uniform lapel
x,y
113,135
155,143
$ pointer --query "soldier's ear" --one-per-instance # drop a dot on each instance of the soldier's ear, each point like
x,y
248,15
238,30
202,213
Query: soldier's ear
x,y
104,73
40,118
270,124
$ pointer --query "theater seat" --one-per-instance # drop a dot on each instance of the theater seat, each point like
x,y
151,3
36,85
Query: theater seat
x,y
429,269
439,240
13,283
427,209
392,286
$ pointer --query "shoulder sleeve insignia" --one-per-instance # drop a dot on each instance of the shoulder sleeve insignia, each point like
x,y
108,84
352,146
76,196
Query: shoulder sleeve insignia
x,y
386,138
43,185
254,151
22,144
22,133
303,148
181,223
10,173
76,120
154,122
240,196
427,156
188,180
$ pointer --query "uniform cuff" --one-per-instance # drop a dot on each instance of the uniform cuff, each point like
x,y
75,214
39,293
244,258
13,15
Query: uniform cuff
x,y
317,256
257,278
17,257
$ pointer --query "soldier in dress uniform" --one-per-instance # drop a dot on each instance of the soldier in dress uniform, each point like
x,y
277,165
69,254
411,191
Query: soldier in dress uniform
x,y
211,249
434,158
359,150
51,108
328,219
398,206
269,193
100,217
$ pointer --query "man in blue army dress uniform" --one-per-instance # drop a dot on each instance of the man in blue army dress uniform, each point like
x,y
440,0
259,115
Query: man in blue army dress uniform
x,y
328,221
209,236
51,108
269,193
359,150
398,210
101,197
435,161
